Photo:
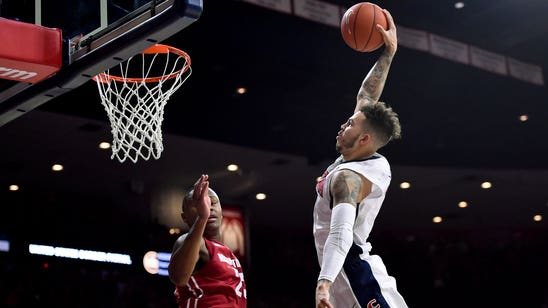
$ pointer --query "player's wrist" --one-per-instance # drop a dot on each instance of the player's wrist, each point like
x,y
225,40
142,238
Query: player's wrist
x,y
323,284
201,220
390,51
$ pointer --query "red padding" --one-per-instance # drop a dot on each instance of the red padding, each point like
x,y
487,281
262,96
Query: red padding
x,y
28,52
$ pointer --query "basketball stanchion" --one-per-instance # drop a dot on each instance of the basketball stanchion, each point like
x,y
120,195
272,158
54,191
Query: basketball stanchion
x,y
134,95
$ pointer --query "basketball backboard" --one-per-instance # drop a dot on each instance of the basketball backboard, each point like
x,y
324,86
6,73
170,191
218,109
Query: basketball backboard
x,y
96,35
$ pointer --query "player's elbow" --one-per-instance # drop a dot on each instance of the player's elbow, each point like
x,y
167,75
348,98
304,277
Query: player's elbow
x,y
341,227
342,234
178,280
178,277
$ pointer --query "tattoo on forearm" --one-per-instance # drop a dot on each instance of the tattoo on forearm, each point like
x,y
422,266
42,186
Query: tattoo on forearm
x,y
345,187
373,83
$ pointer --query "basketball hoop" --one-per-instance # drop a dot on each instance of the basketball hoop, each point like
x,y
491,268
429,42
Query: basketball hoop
x,y
134,98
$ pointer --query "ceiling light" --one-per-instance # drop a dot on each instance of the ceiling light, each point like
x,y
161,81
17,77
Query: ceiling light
x,y
523,118
151,262
463,204
405,185
437,219
104,145
174,231
260,196
14,187
459,5
232,167
57,167
486,185
241,90
537,217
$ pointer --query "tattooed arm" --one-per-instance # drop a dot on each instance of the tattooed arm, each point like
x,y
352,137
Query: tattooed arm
x,y
348,189
373,84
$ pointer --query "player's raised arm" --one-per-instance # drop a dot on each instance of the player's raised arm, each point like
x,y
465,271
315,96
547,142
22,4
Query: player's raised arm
x,y
373,84
186,251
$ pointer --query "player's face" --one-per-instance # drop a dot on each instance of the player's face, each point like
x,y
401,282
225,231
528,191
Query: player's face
x,y
215,216
216,212
350,133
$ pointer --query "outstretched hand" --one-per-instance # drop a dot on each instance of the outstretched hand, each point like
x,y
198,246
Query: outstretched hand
x,y
201,196
390,35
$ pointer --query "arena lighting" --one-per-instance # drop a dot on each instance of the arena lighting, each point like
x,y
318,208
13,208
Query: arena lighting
x,y
81,254
4,245
156,262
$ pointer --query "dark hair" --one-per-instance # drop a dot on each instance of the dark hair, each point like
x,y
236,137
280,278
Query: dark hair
x,y
383,121
187,196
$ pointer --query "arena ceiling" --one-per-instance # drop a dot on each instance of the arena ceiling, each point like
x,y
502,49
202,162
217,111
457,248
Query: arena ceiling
x,y
461,123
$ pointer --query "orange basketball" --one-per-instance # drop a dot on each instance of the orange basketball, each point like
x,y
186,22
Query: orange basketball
x,y
358,26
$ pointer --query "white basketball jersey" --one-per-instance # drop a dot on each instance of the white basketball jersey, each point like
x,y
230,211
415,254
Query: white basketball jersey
x,y
363,281
377,170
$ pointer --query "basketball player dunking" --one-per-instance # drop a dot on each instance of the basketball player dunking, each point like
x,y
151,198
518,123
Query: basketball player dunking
x,y
349,197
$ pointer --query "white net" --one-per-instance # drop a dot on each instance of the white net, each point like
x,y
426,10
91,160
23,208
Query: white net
x,y
135,105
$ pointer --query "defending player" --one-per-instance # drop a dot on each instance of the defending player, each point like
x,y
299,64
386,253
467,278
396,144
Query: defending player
x,y
206,272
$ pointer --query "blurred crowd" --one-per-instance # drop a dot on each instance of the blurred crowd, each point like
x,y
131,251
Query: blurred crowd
x,y
434,268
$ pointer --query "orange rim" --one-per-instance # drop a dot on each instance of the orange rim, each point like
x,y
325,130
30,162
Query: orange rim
x,y
154,49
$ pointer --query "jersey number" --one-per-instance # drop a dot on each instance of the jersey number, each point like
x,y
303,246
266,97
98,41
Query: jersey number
x,y
240,290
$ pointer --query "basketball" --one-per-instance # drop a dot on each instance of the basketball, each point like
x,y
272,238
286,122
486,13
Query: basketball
x,y
358,26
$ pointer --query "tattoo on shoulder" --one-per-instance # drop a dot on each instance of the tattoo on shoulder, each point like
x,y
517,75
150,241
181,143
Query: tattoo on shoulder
x,y
346,187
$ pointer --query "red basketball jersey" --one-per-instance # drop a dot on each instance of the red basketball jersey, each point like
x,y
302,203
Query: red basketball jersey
x,y
219,284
